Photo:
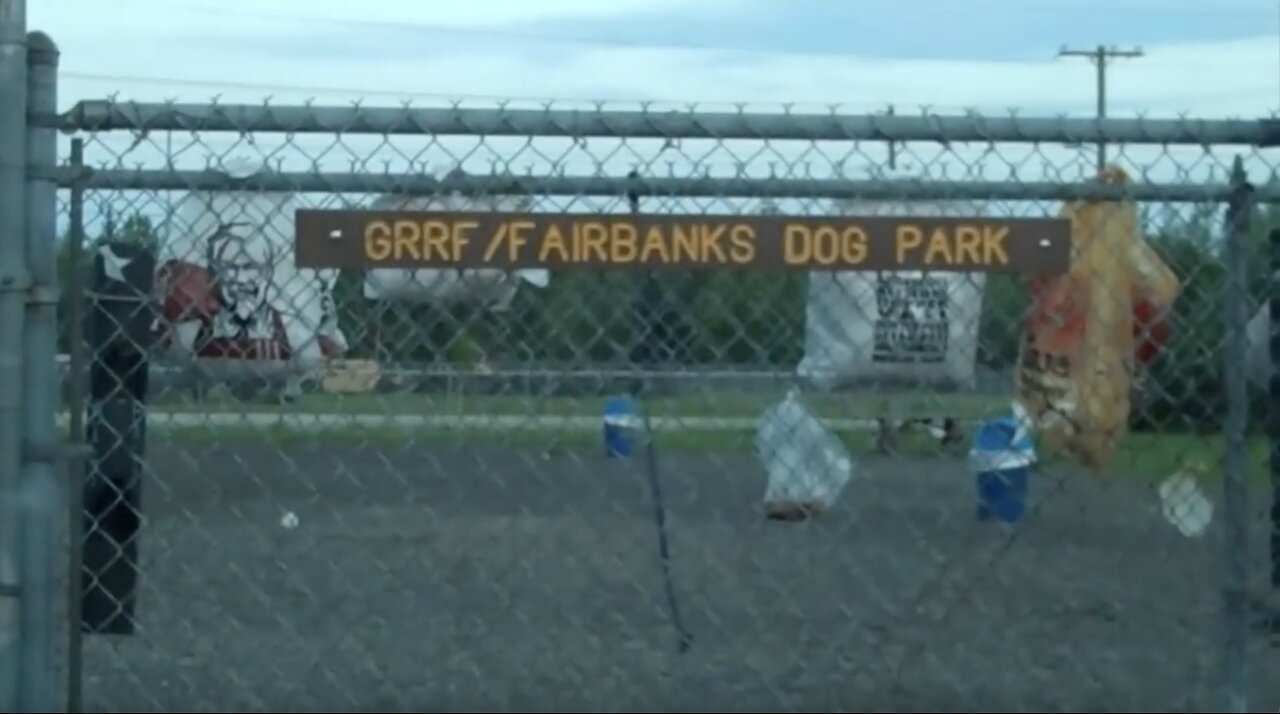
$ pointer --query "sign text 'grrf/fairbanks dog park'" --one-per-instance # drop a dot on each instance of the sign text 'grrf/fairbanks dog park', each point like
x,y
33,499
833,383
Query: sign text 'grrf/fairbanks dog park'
x,y
431,239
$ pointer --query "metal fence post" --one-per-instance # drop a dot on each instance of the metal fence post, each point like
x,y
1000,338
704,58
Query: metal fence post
x,y
39,490
76,406
1235,499
13,206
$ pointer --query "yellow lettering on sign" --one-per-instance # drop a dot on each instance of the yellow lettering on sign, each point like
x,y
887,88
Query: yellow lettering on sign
x,y
407,240
433,234
495,242
823,245
684,244
839,244
742,244
710,247
512,236
794,247
826,245
961,246
906,239
417,241
553,242
940,248
595,243
967,246
655,247
518,238
626,247
994,250
377,241
622,242
459,237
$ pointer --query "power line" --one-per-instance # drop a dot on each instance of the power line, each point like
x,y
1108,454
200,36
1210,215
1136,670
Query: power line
x,y
1101,56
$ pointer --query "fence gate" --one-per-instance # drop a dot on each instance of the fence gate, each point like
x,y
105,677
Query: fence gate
x,y
710,452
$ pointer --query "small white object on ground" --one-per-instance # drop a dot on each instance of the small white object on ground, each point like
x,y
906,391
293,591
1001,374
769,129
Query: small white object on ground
x,y
1185,505
289,520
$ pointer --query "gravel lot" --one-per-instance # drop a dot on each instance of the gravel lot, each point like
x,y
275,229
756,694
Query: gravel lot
x,y
423,579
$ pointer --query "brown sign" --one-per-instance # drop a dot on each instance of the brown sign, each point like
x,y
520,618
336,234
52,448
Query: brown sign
x,y
431,239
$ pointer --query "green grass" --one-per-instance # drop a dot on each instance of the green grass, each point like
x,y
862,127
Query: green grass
x,y
711,403
1146,456
1143,456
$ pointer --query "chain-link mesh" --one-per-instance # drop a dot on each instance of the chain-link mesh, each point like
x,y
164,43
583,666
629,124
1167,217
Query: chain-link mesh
x,y
491,491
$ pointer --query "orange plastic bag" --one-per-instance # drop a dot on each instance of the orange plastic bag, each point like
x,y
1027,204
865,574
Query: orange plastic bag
x,y
1156,287
1078,355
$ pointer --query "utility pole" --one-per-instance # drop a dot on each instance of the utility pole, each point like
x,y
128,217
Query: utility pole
x,y
1100,56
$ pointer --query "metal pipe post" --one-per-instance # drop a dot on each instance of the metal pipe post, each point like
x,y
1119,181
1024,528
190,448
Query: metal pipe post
x,y
76,404
39,489
13,290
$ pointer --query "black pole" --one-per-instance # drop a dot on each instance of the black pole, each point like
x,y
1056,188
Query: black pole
x,y
651,310
121,315
648,303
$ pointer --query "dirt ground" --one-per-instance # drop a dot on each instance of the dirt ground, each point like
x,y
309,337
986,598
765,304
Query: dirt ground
x,y
422,579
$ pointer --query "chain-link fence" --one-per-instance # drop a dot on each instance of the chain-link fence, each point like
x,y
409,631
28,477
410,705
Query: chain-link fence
x,y
581,490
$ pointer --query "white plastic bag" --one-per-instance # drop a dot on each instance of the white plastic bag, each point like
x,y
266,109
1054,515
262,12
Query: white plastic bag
x,y
914,327
807,464
1183,504
905,326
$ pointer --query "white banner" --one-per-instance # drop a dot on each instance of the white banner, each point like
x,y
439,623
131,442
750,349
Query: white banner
x,y
904,325
229,287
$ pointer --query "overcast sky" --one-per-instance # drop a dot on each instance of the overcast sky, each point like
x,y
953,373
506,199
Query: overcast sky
x,y
1210,57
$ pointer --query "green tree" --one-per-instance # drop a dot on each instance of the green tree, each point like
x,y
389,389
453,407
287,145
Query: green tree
x,y
1184,387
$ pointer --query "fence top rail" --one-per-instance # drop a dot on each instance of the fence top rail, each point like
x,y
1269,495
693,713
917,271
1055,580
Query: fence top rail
x,y
106,115
608,186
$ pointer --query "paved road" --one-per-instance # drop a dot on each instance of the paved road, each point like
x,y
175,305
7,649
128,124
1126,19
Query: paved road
x,y
502,580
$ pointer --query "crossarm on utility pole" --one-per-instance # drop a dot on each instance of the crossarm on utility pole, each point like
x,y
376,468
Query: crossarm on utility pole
x,y
1101,56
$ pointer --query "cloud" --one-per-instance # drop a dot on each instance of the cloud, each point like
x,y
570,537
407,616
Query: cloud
x,y
1236,78
150,56
483,48
471,13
